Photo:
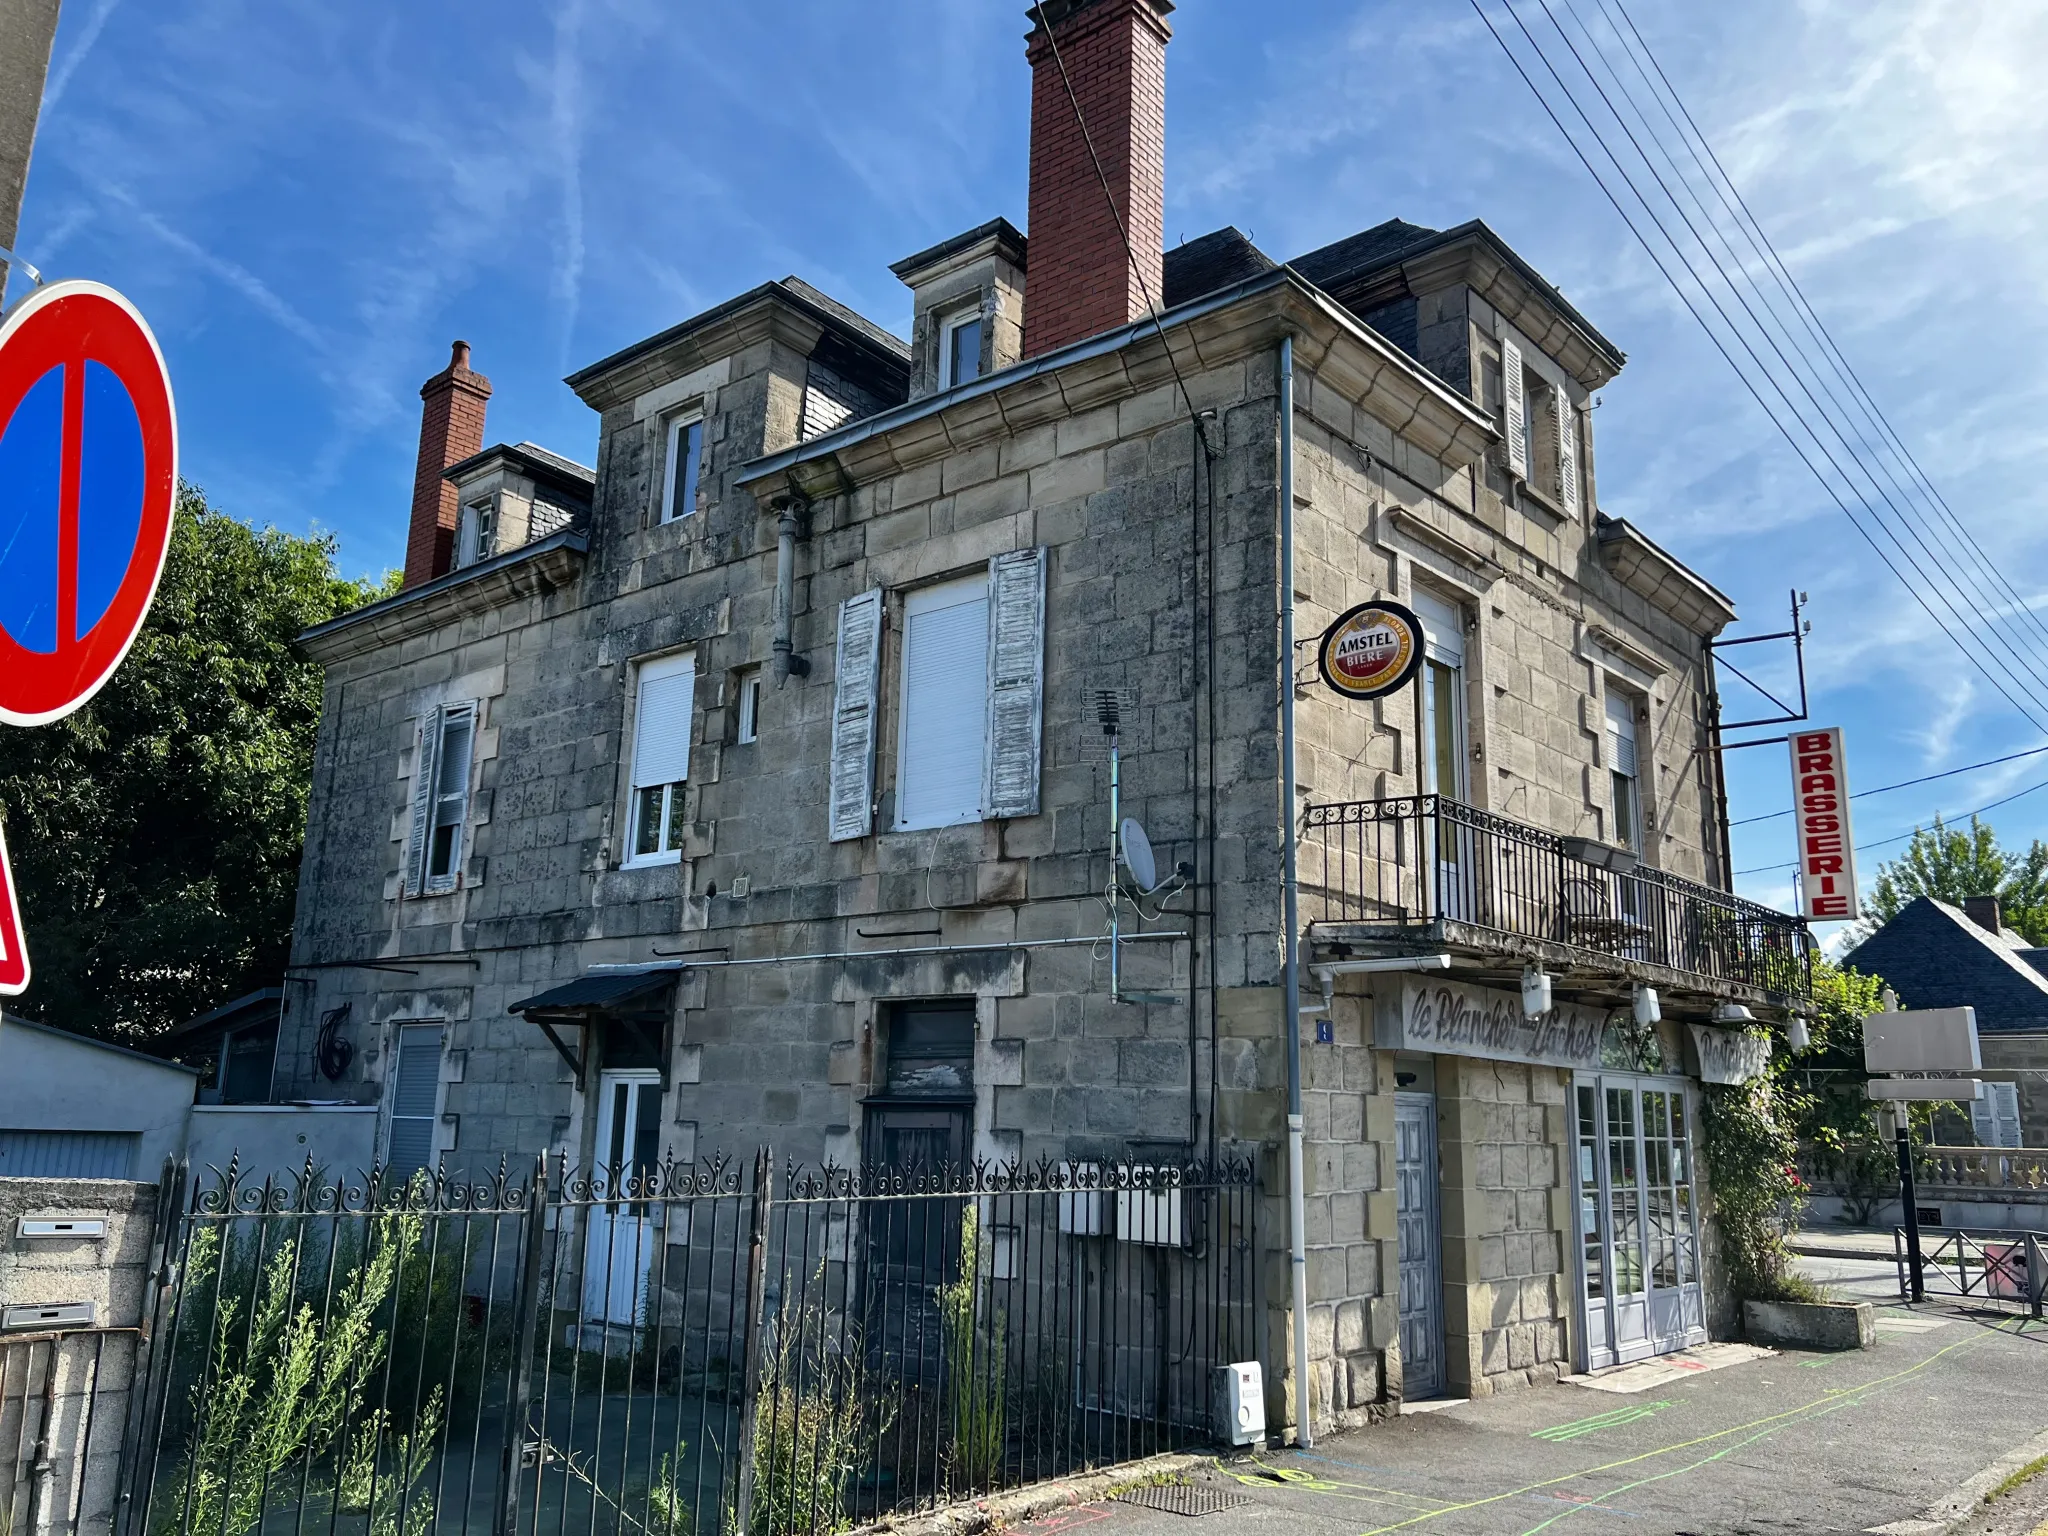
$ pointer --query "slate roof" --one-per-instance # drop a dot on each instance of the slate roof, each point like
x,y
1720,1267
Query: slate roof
x,y
1934,956
1209,262
1331,265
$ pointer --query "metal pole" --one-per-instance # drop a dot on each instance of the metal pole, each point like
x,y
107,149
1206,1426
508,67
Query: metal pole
x,y
1911,1212
2037,1274
756,1328
1116,826
1290,1012
525,1327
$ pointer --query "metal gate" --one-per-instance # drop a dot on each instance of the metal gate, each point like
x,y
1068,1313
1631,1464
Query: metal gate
x,y
806,1349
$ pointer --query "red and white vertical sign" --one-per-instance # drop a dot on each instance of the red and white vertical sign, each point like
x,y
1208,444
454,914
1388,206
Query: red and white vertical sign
x,y
13,947
1820,807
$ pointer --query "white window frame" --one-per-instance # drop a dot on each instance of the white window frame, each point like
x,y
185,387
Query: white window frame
x,y
1443,631
749,723
476,532
449,808
938,596
391,1115
653,669
1633,772
949,326
680,500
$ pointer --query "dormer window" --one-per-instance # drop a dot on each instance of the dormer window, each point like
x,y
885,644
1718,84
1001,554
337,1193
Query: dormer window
x,y
960,349
476,532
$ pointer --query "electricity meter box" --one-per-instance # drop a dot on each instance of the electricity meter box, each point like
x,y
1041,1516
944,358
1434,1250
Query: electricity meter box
x,y
1240,1403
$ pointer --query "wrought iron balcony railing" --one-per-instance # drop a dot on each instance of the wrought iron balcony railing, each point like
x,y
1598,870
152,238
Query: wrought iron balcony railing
x,y
1426,859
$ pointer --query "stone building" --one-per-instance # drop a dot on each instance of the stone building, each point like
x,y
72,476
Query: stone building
x,y
766,797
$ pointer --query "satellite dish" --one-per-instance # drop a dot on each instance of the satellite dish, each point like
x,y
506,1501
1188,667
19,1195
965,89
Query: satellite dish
x,y
1138,854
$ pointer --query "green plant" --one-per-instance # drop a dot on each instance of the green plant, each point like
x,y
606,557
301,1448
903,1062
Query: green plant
x,y
1749,1149
817,1420
972,1348
285,1382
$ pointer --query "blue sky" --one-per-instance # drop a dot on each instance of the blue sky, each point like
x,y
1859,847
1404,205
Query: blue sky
x,y
311,200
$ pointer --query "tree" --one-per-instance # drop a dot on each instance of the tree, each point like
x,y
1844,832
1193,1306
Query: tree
x,y
1949,865
156,833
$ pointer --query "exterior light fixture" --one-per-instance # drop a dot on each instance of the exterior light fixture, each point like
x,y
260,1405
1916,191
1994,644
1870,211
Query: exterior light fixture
x,y
1647,1011
1535,992
1797,1034
1732,1013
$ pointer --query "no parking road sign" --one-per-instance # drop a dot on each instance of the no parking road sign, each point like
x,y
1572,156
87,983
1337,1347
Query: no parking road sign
x,y
88,473
88,477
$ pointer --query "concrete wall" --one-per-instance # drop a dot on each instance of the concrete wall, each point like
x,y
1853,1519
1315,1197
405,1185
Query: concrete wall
x,y
263,1139
94,1369
52,1081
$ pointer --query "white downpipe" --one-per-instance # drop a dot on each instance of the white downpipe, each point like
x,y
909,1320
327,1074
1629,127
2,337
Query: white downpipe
x,y
1290,1015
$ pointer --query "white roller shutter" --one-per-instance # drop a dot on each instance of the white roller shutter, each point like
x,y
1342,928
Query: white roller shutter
x,y
1567,452
661,722
415,1100
1016,681
1621,733
1512,396
853,715
942,740
426,745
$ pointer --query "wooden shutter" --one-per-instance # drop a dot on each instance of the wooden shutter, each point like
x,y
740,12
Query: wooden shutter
x,y
661,721
426,745
1512,397
1567,416
853,715
1016,682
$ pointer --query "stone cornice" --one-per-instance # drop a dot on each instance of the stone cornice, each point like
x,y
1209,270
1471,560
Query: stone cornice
x,y
531,570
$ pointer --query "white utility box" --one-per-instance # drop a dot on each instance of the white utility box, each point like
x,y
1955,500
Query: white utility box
x,y
1149,1216
1240,1403
1084,1212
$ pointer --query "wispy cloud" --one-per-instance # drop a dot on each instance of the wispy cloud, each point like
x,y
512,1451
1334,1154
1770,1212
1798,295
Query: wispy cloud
x,y
66,67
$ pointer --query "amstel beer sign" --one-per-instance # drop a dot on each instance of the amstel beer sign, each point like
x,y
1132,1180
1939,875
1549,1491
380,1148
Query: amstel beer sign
x,y
1371,650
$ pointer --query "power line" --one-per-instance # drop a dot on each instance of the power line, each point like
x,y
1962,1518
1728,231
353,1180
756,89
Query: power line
x,y
1753,234
1925,778
1933,587
1886,842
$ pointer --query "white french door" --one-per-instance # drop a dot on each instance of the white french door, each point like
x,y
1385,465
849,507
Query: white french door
x,y
618,1248
1445,754
1638,1248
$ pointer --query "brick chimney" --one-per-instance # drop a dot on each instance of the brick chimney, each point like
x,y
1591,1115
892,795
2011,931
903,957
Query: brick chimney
x,y
1081,281
451,430
1983,911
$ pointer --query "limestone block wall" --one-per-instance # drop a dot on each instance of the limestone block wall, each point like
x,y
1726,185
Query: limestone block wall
x,y
1502,1131
94,1369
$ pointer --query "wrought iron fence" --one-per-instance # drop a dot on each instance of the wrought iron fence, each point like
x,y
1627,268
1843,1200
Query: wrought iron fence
x,y
2004,1270
1424,859
62,1402
679,1349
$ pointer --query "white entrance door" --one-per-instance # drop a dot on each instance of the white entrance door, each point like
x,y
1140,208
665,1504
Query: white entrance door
x,y
1415,1223
1639,1267
618,1250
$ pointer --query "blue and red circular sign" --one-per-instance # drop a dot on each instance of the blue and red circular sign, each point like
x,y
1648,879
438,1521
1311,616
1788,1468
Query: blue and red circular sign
x,y
88,477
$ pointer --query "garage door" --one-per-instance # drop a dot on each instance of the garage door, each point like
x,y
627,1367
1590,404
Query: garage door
x,y
68,1154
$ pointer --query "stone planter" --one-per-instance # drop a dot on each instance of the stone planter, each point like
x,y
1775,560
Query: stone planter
x,y
1811,1325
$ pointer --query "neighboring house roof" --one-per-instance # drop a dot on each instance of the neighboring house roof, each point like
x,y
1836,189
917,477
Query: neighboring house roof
x,y
535,460
1208,262
1934,956
12,1021
261,1006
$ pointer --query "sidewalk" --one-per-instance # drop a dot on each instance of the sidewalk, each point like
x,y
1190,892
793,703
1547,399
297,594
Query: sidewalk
x,y
1843,1243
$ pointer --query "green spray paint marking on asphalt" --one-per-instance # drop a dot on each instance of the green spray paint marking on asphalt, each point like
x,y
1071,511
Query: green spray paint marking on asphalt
x,y
1609,1420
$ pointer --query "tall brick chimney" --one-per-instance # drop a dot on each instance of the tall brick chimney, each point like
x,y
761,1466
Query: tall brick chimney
x,y
451,430
1081,281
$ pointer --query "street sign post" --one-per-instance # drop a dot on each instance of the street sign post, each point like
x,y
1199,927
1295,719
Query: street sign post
x,y
88,483
1932,1040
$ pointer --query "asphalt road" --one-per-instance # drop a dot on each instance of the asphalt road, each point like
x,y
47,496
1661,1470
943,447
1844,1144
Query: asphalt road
x,y
1806,1443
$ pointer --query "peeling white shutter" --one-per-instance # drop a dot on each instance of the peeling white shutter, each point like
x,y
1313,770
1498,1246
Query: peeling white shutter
x,y
1567,452
1512,396
853,715
1016,681
426,743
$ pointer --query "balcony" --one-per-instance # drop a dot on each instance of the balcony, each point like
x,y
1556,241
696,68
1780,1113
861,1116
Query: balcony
x,y
1423,871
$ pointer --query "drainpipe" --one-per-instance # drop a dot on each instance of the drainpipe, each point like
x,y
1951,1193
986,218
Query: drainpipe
x,y
789,527
1290,1015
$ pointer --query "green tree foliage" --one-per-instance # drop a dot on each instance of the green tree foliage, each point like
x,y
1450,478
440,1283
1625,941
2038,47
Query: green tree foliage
x,y
1949,865
156,833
